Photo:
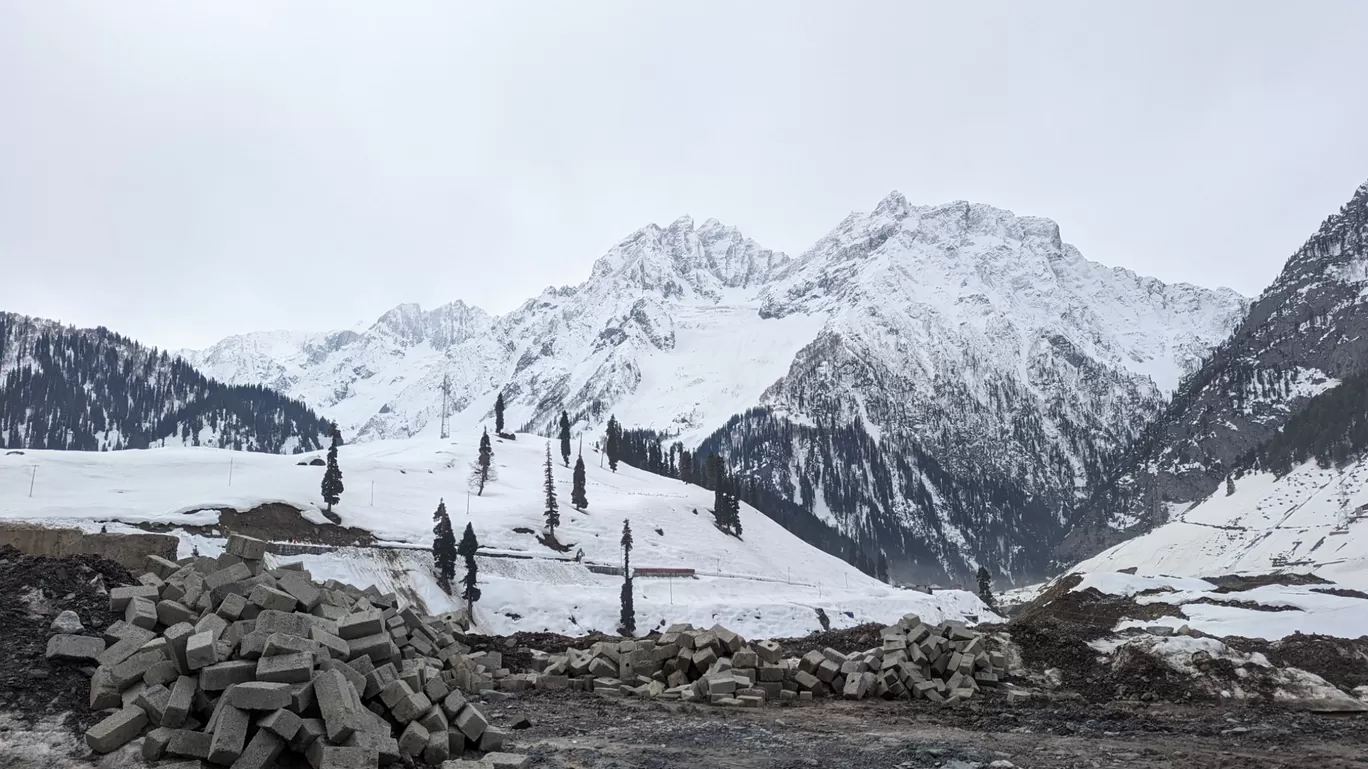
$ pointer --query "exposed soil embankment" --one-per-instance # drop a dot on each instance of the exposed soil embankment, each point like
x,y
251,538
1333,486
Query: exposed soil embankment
x,y
127,550
274,521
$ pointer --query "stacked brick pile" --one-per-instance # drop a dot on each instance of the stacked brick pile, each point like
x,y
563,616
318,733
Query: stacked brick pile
x,y
944,663
224,661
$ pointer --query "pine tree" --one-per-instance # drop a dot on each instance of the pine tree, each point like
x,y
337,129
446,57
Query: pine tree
x,y
721,504
332,477
1230,484
627,620
985,586
443,545
565,437
577,495
881,571
552,509
613,444
686,466
470,591
482,471
734,516
498,414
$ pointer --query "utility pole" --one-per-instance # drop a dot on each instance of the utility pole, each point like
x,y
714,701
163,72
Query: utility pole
x,y
446,393
32,476
230,471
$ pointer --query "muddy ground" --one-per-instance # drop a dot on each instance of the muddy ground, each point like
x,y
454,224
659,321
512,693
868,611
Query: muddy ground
x,y
574,731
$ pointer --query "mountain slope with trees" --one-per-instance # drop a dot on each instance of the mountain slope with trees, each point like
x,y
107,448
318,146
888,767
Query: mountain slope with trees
x,y
1305,335
94,390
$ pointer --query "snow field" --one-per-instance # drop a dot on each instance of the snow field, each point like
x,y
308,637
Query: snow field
x,y
1306,521
772,586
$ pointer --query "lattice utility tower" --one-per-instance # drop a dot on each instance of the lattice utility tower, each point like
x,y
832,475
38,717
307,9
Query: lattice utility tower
x,y
446,397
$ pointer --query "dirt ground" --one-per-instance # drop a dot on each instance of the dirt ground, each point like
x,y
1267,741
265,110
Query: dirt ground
x,y
578,731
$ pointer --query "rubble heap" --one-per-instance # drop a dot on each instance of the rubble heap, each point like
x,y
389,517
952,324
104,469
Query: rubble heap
x,y
225,661
946,662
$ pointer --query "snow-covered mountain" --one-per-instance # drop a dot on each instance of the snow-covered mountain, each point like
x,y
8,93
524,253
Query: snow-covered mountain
x,y
1304,335
968,359
91,389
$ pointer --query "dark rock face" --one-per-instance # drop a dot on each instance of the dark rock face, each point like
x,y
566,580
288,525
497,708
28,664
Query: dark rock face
x,y
1308,331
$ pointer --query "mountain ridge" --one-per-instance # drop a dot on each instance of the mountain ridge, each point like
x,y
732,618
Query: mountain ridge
x,y
958,332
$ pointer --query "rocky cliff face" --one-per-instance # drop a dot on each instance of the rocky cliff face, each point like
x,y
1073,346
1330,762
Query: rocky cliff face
x,y
981,365
1304,334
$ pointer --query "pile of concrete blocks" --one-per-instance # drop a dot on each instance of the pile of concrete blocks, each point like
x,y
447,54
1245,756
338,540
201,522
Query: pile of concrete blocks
x,y
945,663
225,661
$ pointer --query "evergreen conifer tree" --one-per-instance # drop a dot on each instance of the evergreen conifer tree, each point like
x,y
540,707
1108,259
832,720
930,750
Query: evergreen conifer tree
x,y
470,592
332,477
613,443
552,509
882,568
686,466
482,471
443,545
499,414
627,620
985,587
1230,484
565,437
577,496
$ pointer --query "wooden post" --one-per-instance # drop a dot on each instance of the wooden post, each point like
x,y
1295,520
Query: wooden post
x,y
32,476
230,471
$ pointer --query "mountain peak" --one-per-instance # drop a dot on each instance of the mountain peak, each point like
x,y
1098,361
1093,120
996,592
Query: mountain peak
x,y
893,204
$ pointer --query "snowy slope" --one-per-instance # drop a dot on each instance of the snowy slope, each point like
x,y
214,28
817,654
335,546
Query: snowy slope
x,y
1310,520
769,582
993,367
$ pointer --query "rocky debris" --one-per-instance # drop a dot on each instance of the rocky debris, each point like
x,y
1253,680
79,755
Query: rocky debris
x,y
942,663
226,661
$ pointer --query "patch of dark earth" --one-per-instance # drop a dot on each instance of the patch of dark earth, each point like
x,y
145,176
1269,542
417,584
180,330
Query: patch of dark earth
x,y
36,589
573,730
1341,661
1236,583
273,522
1342,592
1090,613
1248,605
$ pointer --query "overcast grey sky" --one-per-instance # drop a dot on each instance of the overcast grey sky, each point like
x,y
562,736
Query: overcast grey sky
x,y
181,171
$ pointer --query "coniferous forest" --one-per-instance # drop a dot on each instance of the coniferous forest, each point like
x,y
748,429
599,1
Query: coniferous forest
x,y
94,390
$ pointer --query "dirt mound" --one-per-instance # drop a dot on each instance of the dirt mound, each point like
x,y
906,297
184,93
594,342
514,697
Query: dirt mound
x,y
273,522
1341,661
852,639
1089,613
516,649
36,589
1236,583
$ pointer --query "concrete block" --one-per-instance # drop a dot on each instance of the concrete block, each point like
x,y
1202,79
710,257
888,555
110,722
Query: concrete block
x,y
163,673
281,643
117,730
378,679
75,648
336,647
506,761
286,668
271,598
471,722
141,612
310,730
259,695
230,735
323,756
377,647
355,679
131,670
414,739
438,748
303,590
282,723
410,707
152,700
261,752
453,703
189,744
179,702
493,739
154,743
247,548
120,597
360,625
827,671
806,680
220,676
217,580
173,612
213,624
335,702
200,650
103,694
177,638
289,623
